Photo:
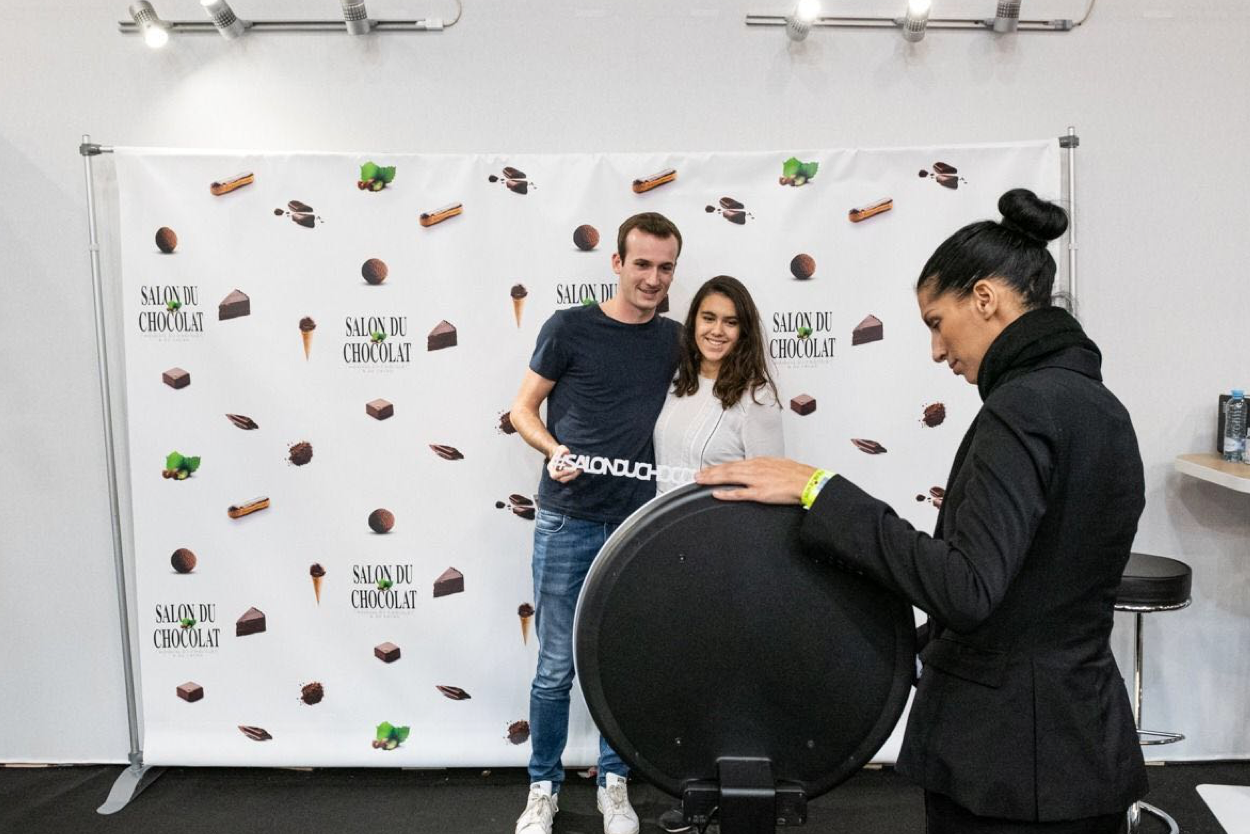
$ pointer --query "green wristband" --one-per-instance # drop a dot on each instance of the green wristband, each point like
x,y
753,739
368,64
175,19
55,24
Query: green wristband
x,y
814,485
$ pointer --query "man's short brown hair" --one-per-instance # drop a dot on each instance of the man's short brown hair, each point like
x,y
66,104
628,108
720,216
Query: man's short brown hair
x,y
651,222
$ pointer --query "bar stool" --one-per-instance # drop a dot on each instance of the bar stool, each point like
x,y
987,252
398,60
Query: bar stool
x,y
1149,584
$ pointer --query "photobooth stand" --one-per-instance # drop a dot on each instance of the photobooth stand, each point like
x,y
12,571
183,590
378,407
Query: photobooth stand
x,y
730,668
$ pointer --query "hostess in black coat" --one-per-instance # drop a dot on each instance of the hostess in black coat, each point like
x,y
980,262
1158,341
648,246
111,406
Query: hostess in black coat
x,y
1020,711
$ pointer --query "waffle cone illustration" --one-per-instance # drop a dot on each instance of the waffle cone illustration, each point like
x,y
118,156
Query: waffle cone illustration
x,y
518,294
526,614
306,328
318,574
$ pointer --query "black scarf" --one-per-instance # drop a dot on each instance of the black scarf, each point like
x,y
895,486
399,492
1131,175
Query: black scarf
x,y
1024,344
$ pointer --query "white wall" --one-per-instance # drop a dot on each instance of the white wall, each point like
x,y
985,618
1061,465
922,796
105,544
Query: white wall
x,y
1158,92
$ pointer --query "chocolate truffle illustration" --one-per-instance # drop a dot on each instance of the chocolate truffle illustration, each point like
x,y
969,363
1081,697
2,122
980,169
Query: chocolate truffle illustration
x,y
301,453
934,415
183,560
374,271
803,266
312,693
519,732
585,237
381,521
166,239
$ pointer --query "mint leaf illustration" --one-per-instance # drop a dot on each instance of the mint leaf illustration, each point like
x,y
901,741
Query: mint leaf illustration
x,y
368,171
401,733
790,167
805,332
172,305
385,584
384,730
187,622
387,174
173,461
808,169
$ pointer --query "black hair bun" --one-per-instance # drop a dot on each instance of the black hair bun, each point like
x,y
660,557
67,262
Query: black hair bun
x,y
1025,212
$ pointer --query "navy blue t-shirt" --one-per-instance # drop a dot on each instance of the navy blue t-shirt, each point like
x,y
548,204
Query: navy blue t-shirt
x,y
611,379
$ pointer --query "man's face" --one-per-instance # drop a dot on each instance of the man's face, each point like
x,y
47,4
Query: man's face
x,y
646,271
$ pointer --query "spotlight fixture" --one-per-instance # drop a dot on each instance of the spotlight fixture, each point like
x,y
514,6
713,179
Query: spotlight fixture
x,y
223,18
356,17
799,21
155,33
1007,16
917,20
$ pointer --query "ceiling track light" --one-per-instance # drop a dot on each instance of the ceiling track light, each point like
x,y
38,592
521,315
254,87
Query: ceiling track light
x,y
222,19
154,30
916,21
1006,16
799,21
356,17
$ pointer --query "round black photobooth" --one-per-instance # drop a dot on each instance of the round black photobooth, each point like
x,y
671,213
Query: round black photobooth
x,y
716,654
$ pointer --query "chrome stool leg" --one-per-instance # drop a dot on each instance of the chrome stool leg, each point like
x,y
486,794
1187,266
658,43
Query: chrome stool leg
x,y
1135,810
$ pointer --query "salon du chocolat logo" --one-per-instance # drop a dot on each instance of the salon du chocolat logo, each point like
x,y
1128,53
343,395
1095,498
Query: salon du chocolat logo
x,y
800,338
376,341
170,310
383,590
186,628
571,293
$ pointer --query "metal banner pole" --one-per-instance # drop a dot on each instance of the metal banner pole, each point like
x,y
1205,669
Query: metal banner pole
x,y
1071,142
137,776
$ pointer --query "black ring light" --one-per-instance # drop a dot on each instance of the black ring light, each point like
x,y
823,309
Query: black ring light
x,y
728,666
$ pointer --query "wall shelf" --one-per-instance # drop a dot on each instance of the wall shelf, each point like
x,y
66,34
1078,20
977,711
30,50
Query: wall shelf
x,y
1212,467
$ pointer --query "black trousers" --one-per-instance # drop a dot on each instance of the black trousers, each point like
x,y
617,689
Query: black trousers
x,y
943,816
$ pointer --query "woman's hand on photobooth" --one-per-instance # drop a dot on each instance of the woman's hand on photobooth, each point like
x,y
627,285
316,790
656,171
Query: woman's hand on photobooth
x,y
766,480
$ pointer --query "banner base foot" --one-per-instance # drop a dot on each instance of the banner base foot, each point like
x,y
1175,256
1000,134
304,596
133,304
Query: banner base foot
x,y
130,783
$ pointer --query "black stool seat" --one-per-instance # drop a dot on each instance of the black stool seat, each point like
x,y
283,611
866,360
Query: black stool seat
x,y
1154,582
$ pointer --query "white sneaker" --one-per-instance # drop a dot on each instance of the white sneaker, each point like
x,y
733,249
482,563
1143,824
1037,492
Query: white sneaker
x,y
539,810
619,816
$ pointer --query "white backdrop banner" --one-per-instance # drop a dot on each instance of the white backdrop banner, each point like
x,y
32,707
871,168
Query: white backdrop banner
x,y
332,514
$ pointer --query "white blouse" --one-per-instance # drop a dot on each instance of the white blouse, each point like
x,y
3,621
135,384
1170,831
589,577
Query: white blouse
x,y
695,431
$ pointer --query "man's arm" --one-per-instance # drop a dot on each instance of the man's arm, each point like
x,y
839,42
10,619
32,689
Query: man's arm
x,y
534,390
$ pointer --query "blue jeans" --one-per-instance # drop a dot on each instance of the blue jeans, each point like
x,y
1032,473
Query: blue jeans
x,y
564,547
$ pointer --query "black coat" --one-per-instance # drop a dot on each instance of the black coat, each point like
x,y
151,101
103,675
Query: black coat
x,y
1020,711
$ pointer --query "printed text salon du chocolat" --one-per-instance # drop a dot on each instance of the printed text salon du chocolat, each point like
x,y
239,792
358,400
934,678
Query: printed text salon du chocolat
x,y
376,340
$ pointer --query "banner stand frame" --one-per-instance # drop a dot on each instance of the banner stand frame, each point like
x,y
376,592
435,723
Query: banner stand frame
x,y
137,776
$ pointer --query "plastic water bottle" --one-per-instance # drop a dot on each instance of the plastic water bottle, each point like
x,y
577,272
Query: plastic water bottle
x,y
1235,427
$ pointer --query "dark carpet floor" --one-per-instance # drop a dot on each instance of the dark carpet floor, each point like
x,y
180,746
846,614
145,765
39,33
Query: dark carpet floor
x,y
63,800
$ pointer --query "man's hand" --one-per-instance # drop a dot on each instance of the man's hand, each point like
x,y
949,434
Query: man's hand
x,y
558,469
766,480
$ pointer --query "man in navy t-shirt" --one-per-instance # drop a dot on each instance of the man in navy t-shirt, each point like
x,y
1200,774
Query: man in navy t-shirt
x,y
604,371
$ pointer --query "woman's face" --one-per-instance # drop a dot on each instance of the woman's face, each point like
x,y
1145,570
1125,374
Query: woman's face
x,y
716,330
960,329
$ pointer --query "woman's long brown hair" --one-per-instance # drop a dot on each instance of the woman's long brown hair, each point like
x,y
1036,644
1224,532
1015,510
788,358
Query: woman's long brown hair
x,y
745,368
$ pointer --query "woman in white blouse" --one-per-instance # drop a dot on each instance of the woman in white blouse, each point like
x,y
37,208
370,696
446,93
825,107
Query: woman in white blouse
x,y
723,405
